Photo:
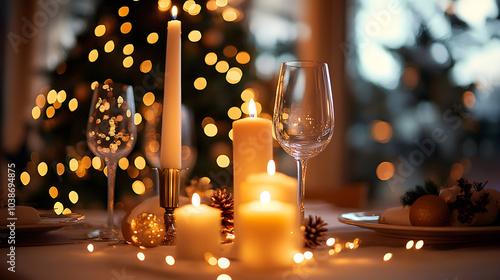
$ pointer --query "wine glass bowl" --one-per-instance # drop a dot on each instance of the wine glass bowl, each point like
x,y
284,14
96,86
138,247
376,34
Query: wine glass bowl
x,y
303,118
111,135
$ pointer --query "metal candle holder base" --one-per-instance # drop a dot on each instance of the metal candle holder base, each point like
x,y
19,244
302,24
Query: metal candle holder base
x,y
168,181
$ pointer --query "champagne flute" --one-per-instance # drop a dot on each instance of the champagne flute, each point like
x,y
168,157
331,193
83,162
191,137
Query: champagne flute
x,y
303,117
111,135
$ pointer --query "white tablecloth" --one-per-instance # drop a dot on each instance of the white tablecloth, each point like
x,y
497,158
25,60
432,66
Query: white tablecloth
x,y
63,254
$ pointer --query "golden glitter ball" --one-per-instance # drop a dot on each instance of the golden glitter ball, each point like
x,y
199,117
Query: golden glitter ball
x,y
147,230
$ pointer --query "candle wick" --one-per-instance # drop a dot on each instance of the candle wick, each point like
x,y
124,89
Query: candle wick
x,y
252,115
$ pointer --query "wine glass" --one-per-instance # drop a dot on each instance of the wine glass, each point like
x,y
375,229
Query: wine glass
x,y
111,135
303,117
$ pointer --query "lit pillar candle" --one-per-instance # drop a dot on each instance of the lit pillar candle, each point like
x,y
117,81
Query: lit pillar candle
x,y
282,188
267,236
171,120
252,150
198,230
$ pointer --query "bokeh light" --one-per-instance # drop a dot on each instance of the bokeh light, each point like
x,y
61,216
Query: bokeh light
x,y
123,11
234,113
73,104
25,178
222,66
230,14
194,36
58,208
385,171
381,131
53,192
146,66
234,75
152,38
126,27
140,162
170,260
138,187
148,99
223,161
123,163
42,168
128,49
247,94
211,58
128,62
164,5
51,96
36,112
73,197
93,55
100,30
200,83
230,51
243,57
210,130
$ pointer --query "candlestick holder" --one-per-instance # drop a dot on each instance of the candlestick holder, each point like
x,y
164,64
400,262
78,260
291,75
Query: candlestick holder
x,y
168,181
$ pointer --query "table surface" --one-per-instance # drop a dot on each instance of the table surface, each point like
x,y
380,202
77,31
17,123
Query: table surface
x,y
63,254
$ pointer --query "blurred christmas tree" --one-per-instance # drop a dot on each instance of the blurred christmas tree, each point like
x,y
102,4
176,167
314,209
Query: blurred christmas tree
x,y
126,41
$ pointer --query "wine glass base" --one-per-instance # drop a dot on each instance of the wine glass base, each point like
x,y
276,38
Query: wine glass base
x,y
104,235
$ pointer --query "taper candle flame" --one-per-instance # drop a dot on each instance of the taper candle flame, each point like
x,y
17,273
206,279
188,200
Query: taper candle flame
x,y
271,167
252,110
195,200
174,12
265,197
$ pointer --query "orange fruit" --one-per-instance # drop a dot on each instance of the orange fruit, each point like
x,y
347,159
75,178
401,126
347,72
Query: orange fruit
x,y
430,211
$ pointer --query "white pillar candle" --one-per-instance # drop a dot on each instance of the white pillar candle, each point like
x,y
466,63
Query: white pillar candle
x,y
198,230
171,119
252,150
268,233
282,188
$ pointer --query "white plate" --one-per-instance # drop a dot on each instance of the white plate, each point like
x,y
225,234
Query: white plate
x,y
49,221
369,220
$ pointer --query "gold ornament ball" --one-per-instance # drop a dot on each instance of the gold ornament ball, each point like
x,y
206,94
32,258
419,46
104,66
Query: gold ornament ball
x,y
147,230
429,211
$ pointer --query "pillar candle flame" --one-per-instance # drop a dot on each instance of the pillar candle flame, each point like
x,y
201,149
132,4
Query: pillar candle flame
x,y
195,200
252,110
271,167
174,12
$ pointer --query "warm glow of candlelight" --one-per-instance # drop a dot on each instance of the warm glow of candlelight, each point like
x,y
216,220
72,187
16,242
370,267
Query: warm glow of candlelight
x,y
141,256
223,263
298,257
195,200
330,241
170,260
252,109
265,197
387,257
90,247
174,12
409,244
419,244
271,167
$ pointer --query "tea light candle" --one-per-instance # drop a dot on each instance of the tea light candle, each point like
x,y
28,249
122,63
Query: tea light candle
x,y
198,230
268,234
282,188
252,149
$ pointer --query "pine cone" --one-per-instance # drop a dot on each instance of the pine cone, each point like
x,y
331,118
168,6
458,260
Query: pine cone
x,y
314,231
223,200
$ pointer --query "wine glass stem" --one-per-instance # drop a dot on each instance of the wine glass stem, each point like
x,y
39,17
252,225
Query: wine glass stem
x,y
301,171
111,191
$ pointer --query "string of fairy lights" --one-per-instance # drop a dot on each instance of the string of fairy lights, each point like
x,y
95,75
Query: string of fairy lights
x,y
48,101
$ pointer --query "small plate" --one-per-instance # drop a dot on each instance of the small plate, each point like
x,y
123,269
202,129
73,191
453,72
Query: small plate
x,y
369,220
49,221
